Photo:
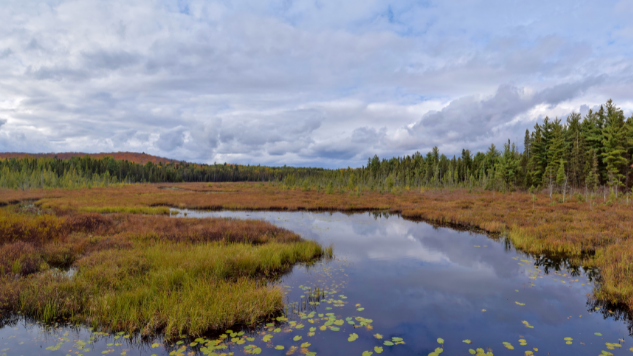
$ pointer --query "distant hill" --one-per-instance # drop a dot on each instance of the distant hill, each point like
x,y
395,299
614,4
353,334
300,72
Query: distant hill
x,y
135,157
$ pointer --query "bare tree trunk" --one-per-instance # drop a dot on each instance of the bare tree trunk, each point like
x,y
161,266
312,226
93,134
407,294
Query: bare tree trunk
x,y
551,186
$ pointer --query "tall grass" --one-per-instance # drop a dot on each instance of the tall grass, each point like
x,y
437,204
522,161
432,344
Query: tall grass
x,y
172,287
588,230
146,273
616,270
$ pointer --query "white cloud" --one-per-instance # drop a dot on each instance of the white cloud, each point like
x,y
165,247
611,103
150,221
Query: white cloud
x,y
300,82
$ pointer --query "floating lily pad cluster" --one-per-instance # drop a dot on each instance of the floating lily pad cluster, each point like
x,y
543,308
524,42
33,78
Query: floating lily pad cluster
x,y
86,346
294,332
612,346
438,350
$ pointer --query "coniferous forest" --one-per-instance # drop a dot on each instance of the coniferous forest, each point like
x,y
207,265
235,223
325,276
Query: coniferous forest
x,y
578,152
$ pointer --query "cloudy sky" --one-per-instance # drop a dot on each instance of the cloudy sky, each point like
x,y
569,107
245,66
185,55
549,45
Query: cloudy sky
x,y
307,82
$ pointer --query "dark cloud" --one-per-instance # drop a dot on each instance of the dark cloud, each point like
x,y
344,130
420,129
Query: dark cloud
x,y
123,136
60,73
368,135
111,60
473,119
565,91
5,53
170,140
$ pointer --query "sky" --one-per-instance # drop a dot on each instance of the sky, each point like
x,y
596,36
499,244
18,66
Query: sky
x,y
304,83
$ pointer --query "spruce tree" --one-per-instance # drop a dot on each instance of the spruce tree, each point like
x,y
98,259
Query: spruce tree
x,y
593,126
614,143
538,152
560,174
578,151
557,149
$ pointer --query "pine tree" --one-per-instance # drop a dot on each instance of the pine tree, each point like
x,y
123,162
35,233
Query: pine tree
x,y
593,125
538,151
578,151
558,147
614,142
525,160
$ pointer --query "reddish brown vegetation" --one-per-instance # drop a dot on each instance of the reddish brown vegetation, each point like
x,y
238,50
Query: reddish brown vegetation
x,y
164,261
39,241
135,157
597,235
10,196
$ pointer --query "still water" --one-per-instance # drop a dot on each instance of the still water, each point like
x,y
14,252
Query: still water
x,y
395,287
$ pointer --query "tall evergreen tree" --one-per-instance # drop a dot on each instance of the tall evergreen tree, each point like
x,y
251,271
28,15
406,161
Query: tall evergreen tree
x,y
578,151
614,142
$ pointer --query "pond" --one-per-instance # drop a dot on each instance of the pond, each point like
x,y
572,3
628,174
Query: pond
x,y
395,287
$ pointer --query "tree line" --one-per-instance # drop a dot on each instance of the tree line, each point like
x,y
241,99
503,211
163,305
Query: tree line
x,y
76,172
579,152
558,155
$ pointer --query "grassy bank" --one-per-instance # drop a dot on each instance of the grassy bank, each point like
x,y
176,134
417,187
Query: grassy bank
x,y
144,273
591,230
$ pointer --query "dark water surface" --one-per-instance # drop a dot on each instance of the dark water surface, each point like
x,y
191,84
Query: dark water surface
x,y
400,282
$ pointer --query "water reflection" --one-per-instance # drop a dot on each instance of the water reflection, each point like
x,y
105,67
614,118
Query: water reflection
x,y
423,282
416,282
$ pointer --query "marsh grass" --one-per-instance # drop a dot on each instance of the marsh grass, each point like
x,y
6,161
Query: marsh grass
x,y
175,288
126,210
592,232
146,274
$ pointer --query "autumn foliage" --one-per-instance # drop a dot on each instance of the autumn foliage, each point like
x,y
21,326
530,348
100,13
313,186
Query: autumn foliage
x,y
593,233
141,158
143,273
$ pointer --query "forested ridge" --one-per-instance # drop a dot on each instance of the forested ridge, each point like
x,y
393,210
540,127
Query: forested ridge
x,y
578,152
135,157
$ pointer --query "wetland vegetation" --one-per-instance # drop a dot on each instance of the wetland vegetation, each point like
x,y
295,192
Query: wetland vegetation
x,y
593,235
396,286
94,240
144,274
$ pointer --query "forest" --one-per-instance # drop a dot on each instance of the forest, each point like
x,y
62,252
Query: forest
x,y
588,153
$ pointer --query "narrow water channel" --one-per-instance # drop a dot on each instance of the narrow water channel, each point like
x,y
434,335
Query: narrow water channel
x,y
395,287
